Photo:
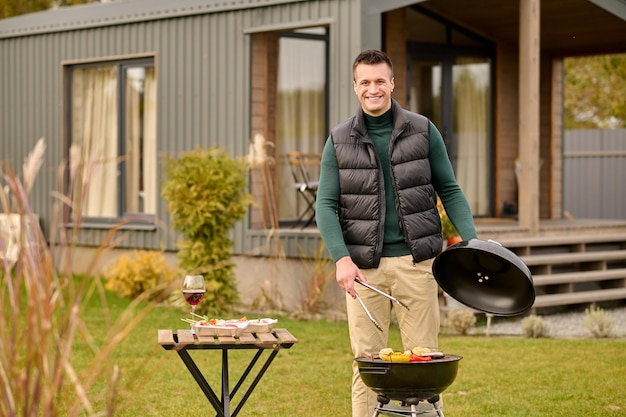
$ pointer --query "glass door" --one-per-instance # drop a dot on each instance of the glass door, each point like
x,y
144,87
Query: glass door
x,y
450,81
454,92
471,131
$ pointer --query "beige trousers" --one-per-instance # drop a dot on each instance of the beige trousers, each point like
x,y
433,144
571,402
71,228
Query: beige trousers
x,y
415,286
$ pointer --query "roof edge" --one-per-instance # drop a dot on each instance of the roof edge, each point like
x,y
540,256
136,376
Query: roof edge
x,y
91,15
616,7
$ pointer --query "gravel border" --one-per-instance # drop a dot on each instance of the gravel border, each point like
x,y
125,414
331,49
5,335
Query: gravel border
x,y
562,325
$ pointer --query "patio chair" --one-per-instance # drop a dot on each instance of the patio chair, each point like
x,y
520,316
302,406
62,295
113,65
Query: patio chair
x,y
302,166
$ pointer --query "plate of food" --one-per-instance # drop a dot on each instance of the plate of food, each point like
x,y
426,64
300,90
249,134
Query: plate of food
x,y
219,327
261,325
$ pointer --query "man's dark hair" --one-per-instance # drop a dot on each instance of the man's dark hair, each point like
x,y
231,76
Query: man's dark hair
x,y
372,57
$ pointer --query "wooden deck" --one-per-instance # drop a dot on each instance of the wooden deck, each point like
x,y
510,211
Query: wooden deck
x,y
507,228
573,262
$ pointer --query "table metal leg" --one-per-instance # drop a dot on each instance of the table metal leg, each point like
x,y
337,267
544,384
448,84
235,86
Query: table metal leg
x,y
245,374
256,380
225,387
222,407
202,382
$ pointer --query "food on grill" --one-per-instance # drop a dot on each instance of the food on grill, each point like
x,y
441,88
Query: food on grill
x,y
389,355
417,354
395,357
385,351
418,350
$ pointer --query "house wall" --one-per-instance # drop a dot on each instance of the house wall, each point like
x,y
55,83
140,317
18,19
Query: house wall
x,y
556,146
507,137
210,96
547,117
395,46
506,126
203,74
202,96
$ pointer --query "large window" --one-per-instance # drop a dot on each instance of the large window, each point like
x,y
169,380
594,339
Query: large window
x,y
450,81
112,118
302,110
289,103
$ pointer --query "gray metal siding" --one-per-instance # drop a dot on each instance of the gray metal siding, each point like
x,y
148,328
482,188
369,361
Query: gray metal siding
x,y
202,62
594,168
202,98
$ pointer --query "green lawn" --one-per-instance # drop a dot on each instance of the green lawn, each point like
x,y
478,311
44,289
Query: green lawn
x,y
498,376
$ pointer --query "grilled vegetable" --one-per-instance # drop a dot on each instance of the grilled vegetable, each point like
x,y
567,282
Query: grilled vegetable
x,y
420,350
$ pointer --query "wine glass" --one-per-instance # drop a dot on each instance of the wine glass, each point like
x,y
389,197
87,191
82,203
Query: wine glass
x,y
193,290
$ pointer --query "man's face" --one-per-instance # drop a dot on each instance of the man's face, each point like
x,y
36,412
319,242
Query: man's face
x,y
373,85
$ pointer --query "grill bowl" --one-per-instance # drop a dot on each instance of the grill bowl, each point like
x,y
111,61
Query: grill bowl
x,y
401,380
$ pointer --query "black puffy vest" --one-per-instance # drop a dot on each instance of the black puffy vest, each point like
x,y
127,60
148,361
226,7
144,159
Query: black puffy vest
x,y
362,201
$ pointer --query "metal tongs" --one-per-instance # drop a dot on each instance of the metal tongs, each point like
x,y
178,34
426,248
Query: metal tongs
x,y
372,319
394,299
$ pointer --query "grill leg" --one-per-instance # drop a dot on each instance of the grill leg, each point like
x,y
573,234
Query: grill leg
x,y
438,409
413,402
382,400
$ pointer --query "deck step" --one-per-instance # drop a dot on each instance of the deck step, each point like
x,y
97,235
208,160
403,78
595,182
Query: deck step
x,y
581,297
574,257
564,240
574,268
577,277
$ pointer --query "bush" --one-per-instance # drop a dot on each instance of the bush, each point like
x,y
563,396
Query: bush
x,y
535,326
129,276
461,320
598,322
448,230
206,194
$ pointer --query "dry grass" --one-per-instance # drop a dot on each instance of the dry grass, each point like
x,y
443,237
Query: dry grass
x,y
42,373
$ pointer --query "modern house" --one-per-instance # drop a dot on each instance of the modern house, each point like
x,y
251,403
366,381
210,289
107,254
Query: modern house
x,y
131,82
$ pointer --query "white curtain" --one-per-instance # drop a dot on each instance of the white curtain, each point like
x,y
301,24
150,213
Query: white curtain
x,y
94,132
472,132
151,193
141,188
134,90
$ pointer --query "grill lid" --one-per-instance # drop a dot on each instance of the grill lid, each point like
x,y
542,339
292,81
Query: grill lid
x,y
484,275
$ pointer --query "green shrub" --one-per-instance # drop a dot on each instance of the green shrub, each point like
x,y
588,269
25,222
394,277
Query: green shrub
x,y
206,194
535,326
447,228
130,276
461,320
598,322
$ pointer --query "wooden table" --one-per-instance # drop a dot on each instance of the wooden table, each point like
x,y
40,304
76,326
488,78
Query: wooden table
x,y
184,341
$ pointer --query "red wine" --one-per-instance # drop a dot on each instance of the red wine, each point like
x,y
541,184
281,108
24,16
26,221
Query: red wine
x,y
193,297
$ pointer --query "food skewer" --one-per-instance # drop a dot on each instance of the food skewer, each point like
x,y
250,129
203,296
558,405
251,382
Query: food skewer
x,y
198,315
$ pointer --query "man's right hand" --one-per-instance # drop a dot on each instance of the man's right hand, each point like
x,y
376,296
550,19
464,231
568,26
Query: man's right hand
x,y
346,273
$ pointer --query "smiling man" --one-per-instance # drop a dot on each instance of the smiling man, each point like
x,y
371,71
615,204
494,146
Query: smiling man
x,y
373,85
381,172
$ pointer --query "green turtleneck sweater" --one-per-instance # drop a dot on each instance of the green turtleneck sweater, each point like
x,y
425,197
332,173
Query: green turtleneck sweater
x,y
379,131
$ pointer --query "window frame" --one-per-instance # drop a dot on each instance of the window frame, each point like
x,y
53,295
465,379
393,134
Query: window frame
x,y
123,219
